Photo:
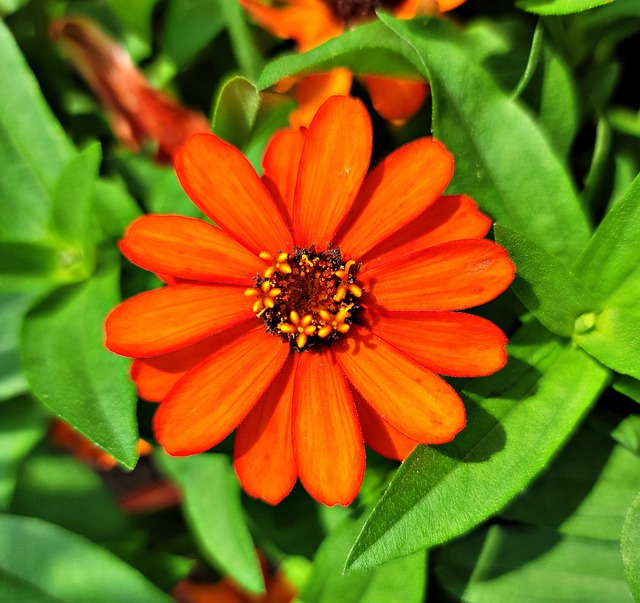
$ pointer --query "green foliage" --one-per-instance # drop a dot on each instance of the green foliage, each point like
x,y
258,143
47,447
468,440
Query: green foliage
x,y
630,549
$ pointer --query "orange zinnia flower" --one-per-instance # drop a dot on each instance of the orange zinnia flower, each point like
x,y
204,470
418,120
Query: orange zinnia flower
x,y
341,333
313,22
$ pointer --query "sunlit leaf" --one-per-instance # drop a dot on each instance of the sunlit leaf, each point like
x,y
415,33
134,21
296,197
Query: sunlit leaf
x,y
78,572
214,513
630,548
70,370
559,7
236,111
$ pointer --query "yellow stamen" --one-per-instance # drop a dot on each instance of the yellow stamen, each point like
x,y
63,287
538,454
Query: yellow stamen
x,y
265,294
344,285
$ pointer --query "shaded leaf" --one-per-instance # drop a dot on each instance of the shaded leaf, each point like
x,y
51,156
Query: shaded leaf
x,y
628,386
214,514
70,370
514,426
504,563
242,42
236,111
80,571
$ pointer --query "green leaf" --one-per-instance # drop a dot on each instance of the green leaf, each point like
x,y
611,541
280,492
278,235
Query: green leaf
x,y
630,548
537,565
544,284
236,110
614,339
70,370
78,572
586,491
13,307
613,253
214,514
62,490
400,580
514,427
559,7
73,195
114,208
22,424
33,148
628,386
190,25
500,151
242,41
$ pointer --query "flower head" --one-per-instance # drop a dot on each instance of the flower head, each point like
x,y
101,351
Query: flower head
x,y
320,312
312,22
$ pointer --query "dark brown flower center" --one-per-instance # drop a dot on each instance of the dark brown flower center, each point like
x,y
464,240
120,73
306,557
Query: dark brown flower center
x,y
354,10
307,298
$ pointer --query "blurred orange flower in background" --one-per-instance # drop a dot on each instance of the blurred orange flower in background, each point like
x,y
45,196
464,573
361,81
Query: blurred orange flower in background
x,y
339,337
138,113
312,22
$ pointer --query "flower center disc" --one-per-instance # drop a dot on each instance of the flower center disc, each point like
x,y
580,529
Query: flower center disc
x,y
353,10
307,298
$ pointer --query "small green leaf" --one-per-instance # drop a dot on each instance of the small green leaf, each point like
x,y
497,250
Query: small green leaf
x,y
559,7
514,426
214,513
500,151
70,370
630,548
22,424
613,253
400,580
537,565
628,386
73,195
236,110
614,340
33,148
586,491
78,572
62,490
544,284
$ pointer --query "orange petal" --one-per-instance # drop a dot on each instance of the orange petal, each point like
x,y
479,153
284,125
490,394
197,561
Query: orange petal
x,y
209,402
280,164
450,218
155,376
191,249
448,343
221,182
395,99
379,435
332,167
451,276
404,393
398,190
446,5
313,90
327,440
308,22
166,319
264,447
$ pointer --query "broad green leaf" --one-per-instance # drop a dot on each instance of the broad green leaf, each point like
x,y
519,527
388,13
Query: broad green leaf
x,y
400,580
515,425
613,253
630,548
70,370
13,307
22,424
242,41
62,490
627,433
500,151
189,26
214,513
114,209
33,148
544,284
628,386
44,563
559,7
536,565
586,491
614,339
73,195
236,111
